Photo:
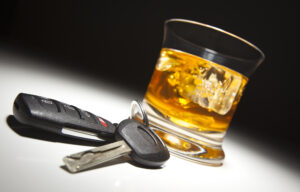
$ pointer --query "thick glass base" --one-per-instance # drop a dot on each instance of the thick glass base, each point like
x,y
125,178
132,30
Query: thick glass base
x,y
199,147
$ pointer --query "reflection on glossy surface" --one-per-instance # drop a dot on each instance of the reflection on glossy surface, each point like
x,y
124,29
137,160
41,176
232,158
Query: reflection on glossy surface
x,y
192,150
29,164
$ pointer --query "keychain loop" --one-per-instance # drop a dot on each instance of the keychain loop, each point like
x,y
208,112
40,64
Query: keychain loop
x,y
136,104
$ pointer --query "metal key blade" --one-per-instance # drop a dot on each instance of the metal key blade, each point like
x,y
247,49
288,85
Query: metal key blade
x,y
96,156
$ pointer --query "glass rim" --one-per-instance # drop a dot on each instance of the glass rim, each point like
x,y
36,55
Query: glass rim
x,y
219,30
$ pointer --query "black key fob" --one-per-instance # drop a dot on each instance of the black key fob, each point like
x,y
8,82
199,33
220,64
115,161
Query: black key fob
x,y
60,118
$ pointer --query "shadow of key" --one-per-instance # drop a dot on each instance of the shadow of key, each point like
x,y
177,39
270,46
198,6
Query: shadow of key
x,y
36,133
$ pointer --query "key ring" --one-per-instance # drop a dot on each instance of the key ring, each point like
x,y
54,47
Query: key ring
x,y
136,104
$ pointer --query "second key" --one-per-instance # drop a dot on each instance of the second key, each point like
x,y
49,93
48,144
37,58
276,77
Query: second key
x,y
134,139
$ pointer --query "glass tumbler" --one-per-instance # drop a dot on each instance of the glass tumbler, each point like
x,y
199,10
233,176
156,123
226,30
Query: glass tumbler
x,y
196,86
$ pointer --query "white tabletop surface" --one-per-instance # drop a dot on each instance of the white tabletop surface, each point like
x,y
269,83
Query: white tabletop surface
x,y
29,164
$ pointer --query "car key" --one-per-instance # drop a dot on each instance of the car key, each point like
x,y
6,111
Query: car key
x,y
133,139
61,118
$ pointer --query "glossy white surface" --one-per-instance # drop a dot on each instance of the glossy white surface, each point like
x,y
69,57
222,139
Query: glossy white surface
x,y
34,165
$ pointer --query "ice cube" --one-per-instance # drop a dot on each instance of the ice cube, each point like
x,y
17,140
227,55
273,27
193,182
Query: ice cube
x,y
166,62
213,88
163,64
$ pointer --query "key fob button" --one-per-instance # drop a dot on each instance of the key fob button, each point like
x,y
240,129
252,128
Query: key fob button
x,y
70,110
49,105
87,116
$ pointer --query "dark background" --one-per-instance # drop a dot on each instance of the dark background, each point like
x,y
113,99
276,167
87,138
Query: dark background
x,y
119,42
